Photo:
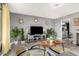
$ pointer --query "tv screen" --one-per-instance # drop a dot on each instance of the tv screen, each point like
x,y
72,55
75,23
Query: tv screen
x,y
36,30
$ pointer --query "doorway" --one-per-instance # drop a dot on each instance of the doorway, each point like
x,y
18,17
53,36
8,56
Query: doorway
x,y
65,30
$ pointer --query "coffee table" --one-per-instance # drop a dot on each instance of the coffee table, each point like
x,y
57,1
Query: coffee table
x,y
47,43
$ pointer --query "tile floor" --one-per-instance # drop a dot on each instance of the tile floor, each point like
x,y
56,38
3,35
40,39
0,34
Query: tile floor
x,y
74,49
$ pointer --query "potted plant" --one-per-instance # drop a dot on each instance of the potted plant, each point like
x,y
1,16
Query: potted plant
x,y
51,34
15,33
22,35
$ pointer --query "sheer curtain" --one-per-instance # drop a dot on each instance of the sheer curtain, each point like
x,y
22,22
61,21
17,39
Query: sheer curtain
x,y
5,28
0,26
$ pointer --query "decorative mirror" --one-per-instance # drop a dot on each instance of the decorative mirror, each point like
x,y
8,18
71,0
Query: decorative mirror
x,y
21,20
35,20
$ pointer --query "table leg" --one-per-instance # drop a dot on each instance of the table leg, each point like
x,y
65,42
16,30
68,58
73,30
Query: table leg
x,y
44,51
63,46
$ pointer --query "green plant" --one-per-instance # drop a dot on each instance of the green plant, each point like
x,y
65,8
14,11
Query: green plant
x,y
51,33
44,32
15,32
22,34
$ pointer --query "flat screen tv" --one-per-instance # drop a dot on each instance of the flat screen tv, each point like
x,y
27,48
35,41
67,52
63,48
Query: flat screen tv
x,y
36,30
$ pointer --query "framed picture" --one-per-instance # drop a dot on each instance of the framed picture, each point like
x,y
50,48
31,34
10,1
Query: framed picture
x,y
76,21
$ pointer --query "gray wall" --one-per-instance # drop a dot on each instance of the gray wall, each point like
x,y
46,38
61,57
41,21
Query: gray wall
x,y
46,23
58,28
73,29
29,21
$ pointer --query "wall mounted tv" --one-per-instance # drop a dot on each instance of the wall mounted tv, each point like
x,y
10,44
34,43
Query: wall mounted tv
x,y
36,30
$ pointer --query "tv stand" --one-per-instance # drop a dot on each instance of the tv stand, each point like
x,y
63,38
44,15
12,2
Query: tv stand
x,y
36,37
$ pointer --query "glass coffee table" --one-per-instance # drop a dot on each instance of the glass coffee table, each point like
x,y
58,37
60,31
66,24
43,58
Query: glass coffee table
x,y
47,44
35,51
41,48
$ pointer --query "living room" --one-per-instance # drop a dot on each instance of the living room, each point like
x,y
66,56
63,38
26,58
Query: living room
x,y
32,29
31,26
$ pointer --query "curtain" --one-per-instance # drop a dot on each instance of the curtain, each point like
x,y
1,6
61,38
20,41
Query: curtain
x,y
5,28
0,26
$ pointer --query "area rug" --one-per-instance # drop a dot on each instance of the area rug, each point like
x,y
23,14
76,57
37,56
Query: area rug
x,y
60,52
35,52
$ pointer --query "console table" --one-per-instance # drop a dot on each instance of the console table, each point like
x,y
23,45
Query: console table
x,y
36,37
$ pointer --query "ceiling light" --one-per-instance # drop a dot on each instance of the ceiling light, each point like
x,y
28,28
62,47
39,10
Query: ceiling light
x,y
56,5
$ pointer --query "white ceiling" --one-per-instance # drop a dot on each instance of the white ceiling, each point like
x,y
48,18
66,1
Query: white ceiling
x,y
47,10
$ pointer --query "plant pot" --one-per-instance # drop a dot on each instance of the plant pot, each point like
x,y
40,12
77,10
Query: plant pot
x,y
22,42
50,42
16,42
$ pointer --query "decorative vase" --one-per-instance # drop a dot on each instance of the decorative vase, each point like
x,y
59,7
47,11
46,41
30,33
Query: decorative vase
x,y
50,42
22,42
16,42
